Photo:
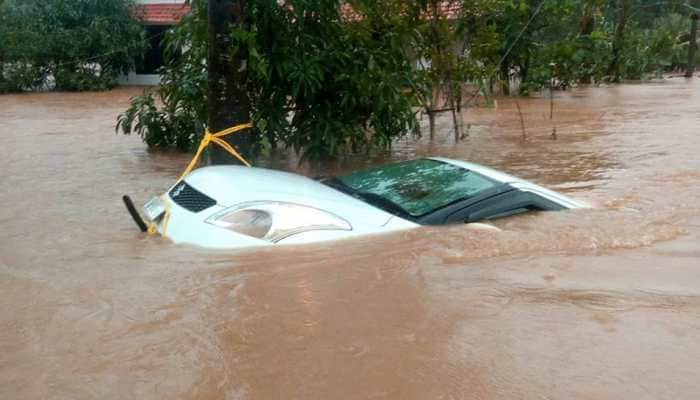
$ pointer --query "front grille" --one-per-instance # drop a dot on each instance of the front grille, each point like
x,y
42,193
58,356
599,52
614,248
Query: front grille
x,y
190,198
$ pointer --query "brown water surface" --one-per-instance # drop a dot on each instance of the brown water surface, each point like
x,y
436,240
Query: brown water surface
x,y
598,304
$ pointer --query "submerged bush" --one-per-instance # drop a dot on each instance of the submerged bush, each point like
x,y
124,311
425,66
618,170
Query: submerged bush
x,y
316,83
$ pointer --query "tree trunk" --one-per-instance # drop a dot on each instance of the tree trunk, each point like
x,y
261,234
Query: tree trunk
x,y
505,78
431,121
692,44
455,123
228,103
586,27
455,120
522,119
524,75
620,26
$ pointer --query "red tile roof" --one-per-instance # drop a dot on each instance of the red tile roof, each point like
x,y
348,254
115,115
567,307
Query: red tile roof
x,y
448,9
161,14
348,14
170,14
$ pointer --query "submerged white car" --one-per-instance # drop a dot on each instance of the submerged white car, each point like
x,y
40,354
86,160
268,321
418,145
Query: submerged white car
x,y
236,206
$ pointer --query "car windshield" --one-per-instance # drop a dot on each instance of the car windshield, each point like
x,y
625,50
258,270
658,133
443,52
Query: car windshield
x,y
416,187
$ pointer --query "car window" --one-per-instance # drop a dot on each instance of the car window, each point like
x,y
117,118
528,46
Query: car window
x,y
420,186
503,205
511,212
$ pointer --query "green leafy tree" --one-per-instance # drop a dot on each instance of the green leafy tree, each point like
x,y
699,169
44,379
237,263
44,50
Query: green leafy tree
x,y
181,120
631,21
526,28
332,77
318,82
453,45
668,42
588,40
573,47
77,44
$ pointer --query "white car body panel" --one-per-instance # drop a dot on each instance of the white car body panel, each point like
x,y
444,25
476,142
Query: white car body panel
x,y
231,186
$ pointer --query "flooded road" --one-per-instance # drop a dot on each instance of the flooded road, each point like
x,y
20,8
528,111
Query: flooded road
x,y
595,304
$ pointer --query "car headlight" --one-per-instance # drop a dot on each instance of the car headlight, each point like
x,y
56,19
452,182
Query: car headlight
x,y
274,221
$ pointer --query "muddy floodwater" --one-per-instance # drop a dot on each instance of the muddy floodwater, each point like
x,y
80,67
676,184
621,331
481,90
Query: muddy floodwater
x,y
595,304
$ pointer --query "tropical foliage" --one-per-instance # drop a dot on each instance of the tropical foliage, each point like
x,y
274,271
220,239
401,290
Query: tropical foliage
x,y
343,82
317,83
327,81
66,44
181,120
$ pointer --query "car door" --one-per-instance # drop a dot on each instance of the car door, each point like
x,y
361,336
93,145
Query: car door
x,y
503,205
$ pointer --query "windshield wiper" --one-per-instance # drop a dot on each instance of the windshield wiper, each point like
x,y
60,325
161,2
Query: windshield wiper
x,y
337,184
383,203
369,198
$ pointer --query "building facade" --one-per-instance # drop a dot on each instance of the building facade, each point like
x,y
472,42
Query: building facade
x,y
157,16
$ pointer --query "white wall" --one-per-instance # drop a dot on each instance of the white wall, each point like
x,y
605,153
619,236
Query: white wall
x,y
134,79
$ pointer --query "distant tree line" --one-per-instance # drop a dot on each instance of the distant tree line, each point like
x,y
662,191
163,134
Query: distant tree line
x,y
66,44
326,81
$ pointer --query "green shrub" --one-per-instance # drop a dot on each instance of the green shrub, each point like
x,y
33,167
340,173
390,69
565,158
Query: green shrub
x,y
316,83
67,44
181,120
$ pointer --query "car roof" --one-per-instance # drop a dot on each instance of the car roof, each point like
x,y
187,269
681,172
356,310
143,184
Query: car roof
x,y
486,171
515,182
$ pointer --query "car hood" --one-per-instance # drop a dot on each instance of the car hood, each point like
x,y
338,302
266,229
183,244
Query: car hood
x,y
230,185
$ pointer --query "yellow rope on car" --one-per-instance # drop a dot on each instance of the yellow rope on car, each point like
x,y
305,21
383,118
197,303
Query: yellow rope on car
x,y
166,216
216,138
152,229
208,138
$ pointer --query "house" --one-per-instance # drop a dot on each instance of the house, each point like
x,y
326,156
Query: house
x,y
157,16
